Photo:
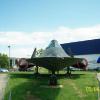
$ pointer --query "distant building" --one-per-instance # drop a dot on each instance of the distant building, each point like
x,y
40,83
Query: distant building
x,y
13,61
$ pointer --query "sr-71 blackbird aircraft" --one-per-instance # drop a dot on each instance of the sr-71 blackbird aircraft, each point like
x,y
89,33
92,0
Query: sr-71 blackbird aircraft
x,y
54,58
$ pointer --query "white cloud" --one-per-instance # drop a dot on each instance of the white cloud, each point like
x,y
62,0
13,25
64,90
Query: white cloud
x,y
24,43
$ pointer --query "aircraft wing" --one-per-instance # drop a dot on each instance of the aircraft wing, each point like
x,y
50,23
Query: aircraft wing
x,y
54,63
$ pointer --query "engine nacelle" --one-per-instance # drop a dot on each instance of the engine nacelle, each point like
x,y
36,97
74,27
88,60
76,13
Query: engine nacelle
x,y
81,65
23,64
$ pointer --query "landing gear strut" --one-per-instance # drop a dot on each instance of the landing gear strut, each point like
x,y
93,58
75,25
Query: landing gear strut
x,y
36,70
68,71
53,79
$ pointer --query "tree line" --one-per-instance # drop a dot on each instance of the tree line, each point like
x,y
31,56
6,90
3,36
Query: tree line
x,y
4,61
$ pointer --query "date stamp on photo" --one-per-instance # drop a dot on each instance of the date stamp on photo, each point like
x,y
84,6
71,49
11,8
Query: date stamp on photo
x,y
92,89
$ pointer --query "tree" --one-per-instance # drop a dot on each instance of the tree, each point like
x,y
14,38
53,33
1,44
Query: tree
x,y
4,61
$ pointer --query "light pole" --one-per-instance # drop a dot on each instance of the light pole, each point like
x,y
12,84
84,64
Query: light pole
x,y
9,55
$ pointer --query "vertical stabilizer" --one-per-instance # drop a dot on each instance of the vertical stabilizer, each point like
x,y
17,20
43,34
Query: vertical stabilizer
x,y
34,53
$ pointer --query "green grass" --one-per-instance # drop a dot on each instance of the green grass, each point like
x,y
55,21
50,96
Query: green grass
x,y
26,86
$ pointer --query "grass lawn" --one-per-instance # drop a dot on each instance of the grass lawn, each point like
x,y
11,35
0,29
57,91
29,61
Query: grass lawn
x,y
25,86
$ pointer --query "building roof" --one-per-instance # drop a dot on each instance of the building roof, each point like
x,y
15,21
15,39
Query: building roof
x,y
82,47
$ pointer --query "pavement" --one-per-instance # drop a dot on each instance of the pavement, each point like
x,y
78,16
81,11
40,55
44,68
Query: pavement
x,y
3,82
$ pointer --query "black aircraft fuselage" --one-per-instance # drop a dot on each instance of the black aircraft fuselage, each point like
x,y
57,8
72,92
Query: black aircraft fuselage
x,y
54,58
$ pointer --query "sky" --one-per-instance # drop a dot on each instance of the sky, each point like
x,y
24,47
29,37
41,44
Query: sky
x,y
26,24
